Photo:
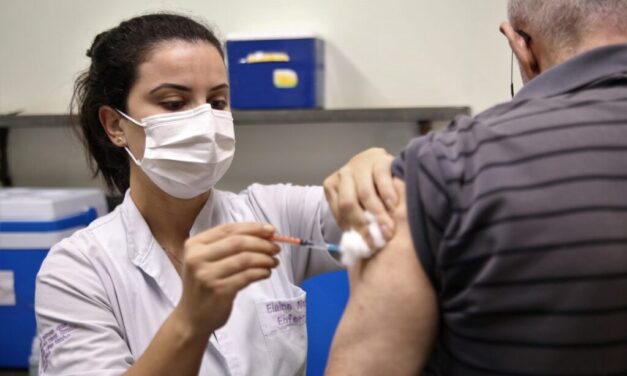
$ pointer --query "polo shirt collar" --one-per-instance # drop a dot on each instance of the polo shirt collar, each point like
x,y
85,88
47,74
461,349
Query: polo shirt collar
x,y
577,72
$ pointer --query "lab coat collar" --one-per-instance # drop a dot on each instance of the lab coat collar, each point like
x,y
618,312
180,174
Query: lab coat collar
x,y
146,253
206,217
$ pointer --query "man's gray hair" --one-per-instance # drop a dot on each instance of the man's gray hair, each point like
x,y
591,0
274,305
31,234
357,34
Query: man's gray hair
x,y
565,23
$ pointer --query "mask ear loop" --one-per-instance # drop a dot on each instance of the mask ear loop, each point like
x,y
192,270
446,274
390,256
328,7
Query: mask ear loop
x,y
126,147
130,118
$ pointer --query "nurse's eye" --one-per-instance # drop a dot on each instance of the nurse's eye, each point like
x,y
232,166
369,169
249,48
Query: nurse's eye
x,y
172,105
218,104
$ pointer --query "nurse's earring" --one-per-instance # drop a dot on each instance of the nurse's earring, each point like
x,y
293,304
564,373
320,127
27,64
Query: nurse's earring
x,y
119,141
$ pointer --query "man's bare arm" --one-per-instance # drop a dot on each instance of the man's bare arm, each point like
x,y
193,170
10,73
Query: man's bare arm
x,y
390,321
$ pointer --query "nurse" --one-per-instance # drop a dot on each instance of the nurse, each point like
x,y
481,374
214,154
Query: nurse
x,y
180,278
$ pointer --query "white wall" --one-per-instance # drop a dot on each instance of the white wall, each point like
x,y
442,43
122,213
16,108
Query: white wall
x,y
379,54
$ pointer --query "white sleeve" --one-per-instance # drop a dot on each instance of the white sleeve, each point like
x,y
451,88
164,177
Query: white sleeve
x,y
76,325
301,212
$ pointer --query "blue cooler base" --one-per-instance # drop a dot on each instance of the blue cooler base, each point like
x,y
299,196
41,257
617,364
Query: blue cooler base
x,y
326,299
18,322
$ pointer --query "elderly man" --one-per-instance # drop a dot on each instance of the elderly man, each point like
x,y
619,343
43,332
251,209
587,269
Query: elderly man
x,y
508,252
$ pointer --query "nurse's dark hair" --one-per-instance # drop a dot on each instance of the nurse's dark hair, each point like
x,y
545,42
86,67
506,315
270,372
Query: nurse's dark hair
x,y
115,57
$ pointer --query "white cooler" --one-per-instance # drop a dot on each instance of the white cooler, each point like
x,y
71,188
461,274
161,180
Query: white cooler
x,y
31,221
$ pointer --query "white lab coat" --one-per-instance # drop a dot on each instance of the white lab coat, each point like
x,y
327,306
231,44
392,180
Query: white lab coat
x,y
103,293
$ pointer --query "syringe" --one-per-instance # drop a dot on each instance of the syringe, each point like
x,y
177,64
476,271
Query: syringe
x,y
305,243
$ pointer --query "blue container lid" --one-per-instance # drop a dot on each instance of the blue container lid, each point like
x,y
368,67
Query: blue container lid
x,y
239,37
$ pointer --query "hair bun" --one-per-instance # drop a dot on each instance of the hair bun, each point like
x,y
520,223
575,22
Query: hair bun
x,y
95,44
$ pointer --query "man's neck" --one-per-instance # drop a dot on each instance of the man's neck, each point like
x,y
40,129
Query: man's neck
x,y
590,43
600,41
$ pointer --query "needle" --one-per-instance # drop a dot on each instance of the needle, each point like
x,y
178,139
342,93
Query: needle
x,y
305,243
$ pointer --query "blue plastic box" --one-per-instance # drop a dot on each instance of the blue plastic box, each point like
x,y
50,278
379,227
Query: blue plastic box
x,y
327,295
31,221
276,73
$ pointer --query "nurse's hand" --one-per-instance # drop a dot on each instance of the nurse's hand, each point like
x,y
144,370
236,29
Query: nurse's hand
x,y
217,264
363,184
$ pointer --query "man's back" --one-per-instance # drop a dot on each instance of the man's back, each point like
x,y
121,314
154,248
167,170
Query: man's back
x,y
520,220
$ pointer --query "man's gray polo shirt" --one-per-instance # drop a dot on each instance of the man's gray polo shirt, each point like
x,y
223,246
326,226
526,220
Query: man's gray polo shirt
x,y
519,217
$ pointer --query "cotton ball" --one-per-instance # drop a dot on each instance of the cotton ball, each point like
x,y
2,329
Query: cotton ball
x,y
353,247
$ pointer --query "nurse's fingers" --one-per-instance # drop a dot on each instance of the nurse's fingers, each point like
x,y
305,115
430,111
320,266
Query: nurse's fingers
x,y
262,230
331,185
383,180
238,263
237,282
199,252
369,197
400,213
351,214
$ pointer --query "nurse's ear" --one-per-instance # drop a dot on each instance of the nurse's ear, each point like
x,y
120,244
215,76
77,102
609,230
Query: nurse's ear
x,y
110,120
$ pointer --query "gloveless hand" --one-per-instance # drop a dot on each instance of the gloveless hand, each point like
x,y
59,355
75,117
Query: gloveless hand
x,y
217,264
363,184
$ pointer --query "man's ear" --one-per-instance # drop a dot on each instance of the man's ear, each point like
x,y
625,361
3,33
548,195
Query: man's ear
x,y
527,61
110,121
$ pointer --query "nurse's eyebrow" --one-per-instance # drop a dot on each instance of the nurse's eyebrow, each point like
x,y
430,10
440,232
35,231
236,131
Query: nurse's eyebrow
x,y
170,86
185,88
220,87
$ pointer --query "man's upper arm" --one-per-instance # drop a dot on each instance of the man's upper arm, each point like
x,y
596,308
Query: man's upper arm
x,y
391,318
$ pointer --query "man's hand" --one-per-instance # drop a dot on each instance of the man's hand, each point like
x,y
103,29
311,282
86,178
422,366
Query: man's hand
x,y
390,320
363,184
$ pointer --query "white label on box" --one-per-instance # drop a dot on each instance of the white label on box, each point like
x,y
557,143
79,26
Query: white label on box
x,y
7,288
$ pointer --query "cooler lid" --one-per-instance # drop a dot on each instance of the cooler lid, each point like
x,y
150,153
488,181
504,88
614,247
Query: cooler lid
x,y
48,204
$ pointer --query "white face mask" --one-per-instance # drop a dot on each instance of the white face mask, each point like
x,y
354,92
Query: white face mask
x,y
186,152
